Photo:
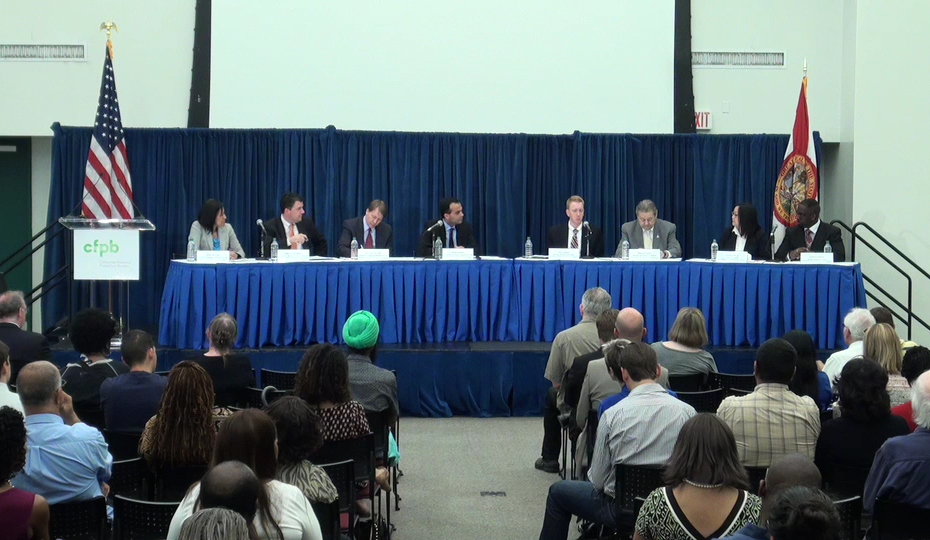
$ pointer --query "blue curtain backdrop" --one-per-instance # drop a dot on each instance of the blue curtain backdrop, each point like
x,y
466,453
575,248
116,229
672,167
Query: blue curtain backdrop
x,y
511,186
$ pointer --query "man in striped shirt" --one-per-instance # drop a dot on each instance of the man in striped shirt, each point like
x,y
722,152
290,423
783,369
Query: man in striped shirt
x,y
640,430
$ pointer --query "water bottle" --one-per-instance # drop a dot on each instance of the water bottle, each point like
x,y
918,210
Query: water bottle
x,y
625,250
437,248
528,248
274,250
827,248
191,250
353,249
713,250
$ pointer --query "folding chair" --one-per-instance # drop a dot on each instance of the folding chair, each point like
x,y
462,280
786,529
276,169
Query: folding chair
x,y
171,483
756,475
707,401
122,444
141,520
850,511
130,479
687,383
328,516
894,520
81,520
342,474
91,417
634,481
361,450
282,380
732,381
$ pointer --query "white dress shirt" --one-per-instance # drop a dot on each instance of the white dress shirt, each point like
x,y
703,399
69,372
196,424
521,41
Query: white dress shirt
x,y
834,365
740,241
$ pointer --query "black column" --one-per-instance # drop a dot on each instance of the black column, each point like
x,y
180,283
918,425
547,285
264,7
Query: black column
x,y
684,84
198,113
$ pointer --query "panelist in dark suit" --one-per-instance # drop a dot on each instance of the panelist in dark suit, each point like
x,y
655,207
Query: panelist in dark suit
x,y
292,229
576,234
810,234
746,234
453,229
649,232
24,346
370,230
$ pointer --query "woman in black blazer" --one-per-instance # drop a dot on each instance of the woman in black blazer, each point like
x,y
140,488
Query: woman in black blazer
x,y
745,221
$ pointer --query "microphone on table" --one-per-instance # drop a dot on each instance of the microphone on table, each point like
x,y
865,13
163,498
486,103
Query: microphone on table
x,y
434,225
587,247
260,223
772,243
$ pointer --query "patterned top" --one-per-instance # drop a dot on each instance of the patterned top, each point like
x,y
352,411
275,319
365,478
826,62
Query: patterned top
x,y
312,481
344,421
898,390
147,441
771,422
662,519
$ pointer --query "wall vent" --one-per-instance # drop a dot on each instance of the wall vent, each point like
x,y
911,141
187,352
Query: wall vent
x,y
42,53
706,59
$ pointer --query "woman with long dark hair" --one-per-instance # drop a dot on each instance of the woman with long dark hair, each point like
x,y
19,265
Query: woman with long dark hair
x,y
231,373
808,380
211,232
323,382
745,234
283,513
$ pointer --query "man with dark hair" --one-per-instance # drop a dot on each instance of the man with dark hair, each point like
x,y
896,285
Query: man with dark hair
x,y
585,238
772,421
130,400
90,334
7,398
647,231
369,230
640,430
293,230
66,459
452,229
25,346
231,485
884,315
810,234
374,387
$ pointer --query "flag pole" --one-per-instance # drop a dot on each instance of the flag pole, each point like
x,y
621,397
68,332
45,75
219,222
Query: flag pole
x,y
109,26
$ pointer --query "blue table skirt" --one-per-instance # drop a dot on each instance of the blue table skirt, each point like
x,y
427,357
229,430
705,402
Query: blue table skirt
x,y
432,302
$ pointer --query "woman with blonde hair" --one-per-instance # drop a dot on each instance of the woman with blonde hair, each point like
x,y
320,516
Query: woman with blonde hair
x,y
683,353
231,373
882,344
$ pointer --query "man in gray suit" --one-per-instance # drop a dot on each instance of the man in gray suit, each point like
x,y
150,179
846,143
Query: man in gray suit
x,y
650,232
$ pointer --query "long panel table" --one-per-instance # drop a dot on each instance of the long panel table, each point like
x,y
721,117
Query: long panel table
x,y
425,301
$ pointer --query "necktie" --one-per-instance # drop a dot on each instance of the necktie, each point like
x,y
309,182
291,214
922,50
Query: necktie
x,y
293,232
368,242
574,238
808,237
451,239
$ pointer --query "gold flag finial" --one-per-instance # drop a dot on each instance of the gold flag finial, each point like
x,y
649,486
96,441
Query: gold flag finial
x,y
805,67
109,26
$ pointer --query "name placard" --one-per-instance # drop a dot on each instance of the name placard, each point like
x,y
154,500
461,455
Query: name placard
x,y
458,254
564,254
374,254
810,257
645,254
733,257
293,255
211,256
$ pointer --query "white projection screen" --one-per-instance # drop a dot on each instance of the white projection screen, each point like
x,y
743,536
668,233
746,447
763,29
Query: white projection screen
x,y
513,66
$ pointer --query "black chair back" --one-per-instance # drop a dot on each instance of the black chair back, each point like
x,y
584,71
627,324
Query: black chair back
x,y
893,520
707,401
162,373
636,481
171,483
328,516
83,520
738,392
378,423
756,475
843,481
591,436
687,383
141,520
850,511
731,381
250,398
91,417
122,444
342,475
360,450
826,416
282,380
130,478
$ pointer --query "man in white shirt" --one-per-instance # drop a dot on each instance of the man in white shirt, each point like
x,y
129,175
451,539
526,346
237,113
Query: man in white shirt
x,y
856,323
586,238
7,398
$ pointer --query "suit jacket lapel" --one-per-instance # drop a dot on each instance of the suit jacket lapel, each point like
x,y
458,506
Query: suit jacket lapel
x,y
638,231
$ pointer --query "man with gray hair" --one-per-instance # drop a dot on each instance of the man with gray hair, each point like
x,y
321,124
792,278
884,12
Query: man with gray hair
x,y
901,470
66,460
25,346
856,323
647,231
568,345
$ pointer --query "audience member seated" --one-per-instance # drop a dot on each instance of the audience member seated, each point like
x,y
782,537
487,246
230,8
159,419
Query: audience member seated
x,y
595,383
705,493
772,421
231,485
184,430
803,512
215,524
881,344
375,388
866,422
808,380
66,460
640,430
856,323
7,397
608,324
299,436
25,346
901,470
283,512
785,472
916,361
568,344
90,334
323,382
683,354
130,400
231,373
884,315
23,515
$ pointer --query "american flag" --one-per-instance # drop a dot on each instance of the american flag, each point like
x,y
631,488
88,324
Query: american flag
x,y
107,184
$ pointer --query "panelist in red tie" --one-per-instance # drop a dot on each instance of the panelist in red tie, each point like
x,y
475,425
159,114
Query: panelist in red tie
x,y
452,228
810,234
578,234
294,230
370,230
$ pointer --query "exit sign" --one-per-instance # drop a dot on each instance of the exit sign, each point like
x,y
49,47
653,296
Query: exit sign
x,y
702,120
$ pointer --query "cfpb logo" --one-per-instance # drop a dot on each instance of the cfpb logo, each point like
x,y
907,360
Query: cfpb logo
x,y
101,248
